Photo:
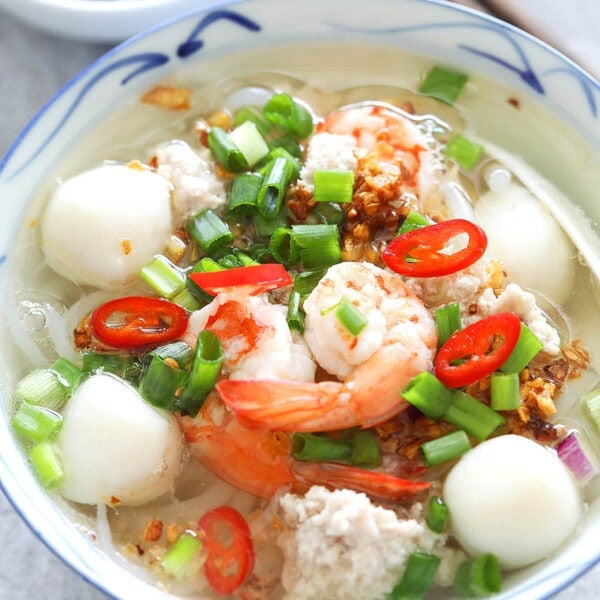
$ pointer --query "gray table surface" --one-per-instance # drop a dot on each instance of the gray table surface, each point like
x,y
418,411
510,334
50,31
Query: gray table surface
x,y
33,66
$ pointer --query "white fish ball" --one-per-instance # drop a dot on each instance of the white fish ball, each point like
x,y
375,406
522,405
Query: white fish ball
x,y
115,445
514,498
536,252
102,226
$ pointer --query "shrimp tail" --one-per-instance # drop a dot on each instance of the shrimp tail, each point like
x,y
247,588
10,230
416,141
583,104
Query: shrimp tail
x,y
281,405
377,485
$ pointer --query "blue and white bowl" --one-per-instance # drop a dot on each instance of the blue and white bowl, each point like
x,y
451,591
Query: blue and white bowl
x,y
546,81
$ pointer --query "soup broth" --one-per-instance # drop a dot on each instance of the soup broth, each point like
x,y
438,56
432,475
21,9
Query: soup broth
x,y
41,308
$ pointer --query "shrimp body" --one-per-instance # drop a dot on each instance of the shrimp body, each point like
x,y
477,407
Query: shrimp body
x,y
256,340
390,135
397,343
259,462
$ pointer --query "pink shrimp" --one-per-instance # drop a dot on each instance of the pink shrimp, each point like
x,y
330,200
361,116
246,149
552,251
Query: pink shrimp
x,y
397,342
391,136
259,461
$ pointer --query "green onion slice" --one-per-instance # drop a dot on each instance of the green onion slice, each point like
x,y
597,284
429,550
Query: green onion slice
x,y
447,447
307,281
365,450
329,213
209,231
417,578
463,152
472,416
437,514
295,314
591,402
319,245
528,345
225,150
283,111
36,423
208,359
250,142
244,193
333,186
443,84
505,391
478,577
350,316
163,382
42,388
182,560
320,448
163,276
447,320
414,220
47,465
283,246
428,394
277,177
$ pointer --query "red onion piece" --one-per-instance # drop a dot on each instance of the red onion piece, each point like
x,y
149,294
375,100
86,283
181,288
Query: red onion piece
x,y
576,459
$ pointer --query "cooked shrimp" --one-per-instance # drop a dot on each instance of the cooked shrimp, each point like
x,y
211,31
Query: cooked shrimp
x,y
397,343
256,340
259,461
393,137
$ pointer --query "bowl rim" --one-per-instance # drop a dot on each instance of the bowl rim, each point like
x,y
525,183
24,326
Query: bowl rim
x,y
91,576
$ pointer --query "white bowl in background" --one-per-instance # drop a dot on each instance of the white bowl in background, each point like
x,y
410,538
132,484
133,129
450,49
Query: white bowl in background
x,y
103,21
442,32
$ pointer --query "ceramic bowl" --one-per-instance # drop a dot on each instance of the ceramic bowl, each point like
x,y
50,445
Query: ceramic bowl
x,y
536,75
103,21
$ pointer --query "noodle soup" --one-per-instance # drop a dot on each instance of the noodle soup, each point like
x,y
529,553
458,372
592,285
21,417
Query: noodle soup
x,y
394,141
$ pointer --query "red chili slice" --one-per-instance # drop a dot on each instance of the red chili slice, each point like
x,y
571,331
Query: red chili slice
x,y
136,321
261,278
229,548
421,252
478,350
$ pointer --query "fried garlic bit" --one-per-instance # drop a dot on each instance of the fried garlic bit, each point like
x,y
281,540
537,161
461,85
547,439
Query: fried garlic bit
x,y
171,98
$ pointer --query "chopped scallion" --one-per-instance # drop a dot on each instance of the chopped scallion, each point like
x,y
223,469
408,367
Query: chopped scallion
x,y
417,578
473,416
329,213
307,281
365,449
254,115
478,577
319,245
445,448
42,388
437,514
311,447
244,193
591,402
182,559
428,394
163,382
350,316
447,320
225,150
110,363
47,465
177,351
463,152
295,314
209,231
333,186
69,375
36,423
163,276
265,227
186,299
528,345
283,111
277,177
280,152
504,390
250,142
414,220
283,247
206,366
443,84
